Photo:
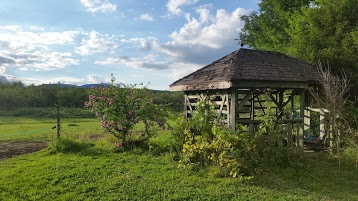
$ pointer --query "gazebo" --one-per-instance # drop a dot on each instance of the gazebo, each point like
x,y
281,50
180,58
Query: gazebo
x,y
243,83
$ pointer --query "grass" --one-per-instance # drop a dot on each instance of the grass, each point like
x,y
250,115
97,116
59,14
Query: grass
x,y
26,129
50,112
82,168
98,175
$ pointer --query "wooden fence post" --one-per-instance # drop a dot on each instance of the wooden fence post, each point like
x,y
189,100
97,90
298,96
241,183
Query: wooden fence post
x,y
58,121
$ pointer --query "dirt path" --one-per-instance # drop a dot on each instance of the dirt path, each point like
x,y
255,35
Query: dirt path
x,y
11,149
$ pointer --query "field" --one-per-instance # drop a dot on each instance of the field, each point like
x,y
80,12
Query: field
x,y
85,167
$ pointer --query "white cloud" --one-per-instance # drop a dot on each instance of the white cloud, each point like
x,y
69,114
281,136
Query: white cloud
x,y
146,17
19,38
63,80
174,5
211,31
142,43
202,40
205,37
99,6
95,79
134,62
96,43
31,47
2,70
179,70
37,28
49,60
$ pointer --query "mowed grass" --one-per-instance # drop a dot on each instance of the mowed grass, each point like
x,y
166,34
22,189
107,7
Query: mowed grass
x,y
25,129
84,168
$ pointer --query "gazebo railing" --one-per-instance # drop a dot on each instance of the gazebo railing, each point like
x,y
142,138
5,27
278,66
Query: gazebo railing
x,y
293,129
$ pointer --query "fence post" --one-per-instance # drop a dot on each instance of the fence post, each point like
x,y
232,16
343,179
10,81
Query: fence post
x,y
58,121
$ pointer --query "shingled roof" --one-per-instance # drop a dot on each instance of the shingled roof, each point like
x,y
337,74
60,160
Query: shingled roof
x,y
245,66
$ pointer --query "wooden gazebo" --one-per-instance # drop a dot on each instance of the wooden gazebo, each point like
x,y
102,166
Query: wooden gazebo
x,y
242,85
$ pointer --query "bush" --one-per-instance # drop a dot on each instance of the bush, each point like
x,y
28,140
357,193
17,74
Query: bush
x,y
120,107
162,143
274,151
350,154
203,143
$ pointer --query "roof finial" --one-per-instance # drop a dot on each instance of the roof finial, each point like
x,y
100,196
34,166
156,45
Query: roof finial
x,y
241,42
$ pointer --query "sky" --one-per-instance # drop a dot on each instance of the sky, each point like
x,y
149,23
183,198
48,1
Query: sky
x,y
85,41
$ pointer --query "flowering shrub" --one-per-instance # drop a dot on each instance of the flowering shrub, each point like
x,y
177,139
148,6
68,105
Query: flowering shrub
x,y
119,107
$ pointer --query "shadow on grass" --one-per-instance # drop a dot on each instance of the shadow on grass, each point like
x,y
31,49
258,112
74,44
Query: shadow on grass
x,y
317,177
69,146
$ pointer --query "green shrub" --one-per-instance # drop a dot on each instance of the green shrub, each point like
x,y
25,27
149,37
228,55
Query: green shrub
x,y
273,151
202,143
162,142
350,155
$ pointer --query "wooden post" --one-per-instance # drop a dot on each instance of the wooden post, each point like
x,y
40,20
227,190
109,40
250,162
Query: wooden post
x,y
307,123
58,122
233,109
251,129
300,128
289,135
280,106
322,128
185,107
292,106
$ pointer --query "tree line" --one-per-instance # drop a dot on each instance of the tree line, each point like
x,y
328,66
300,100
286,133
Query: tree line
x,y
15,95
310,30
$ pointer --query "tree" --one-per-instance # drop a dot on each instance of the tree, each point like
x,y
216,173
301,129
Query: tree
x,y
332,95
267,29
310,30
328,31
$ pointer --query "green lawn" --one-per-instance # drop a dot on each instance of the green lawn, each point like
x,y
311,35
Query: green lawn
x,y
25,129
88,169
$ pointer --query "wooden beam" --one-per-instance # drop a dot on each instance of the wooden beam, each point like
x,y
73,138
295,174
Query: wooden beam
x,y
261,107
270,84
300,128
224,99
280,101
283,121
245,99
188,103
289,135
233,109
284,104
185,107
273,100
306,122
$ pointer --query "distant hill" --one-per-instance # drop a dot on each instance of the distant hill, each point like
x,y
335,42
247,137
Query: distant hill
x,y
85,86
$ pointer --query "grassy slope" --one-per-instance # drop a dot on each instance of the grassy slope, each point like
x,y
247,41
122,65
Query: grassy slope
x,y
88,170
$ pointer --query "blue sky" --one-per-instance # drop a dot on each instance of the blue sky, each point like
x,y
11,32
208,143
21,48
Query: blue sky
x,y
84,41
